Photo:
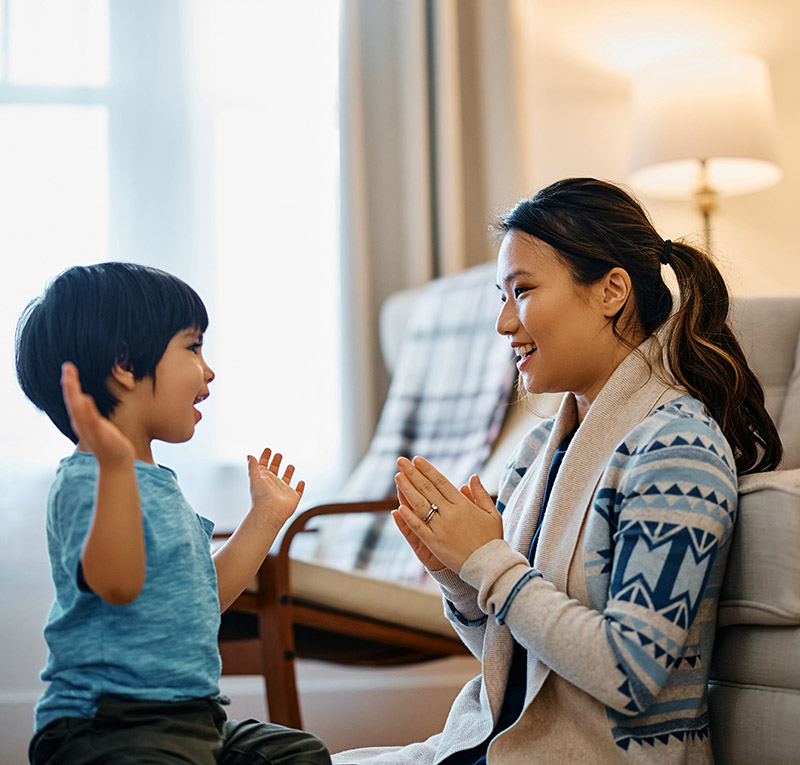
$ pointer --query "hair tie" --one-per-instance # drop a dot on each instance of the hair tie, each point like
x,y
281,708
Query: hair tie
x,y
666,253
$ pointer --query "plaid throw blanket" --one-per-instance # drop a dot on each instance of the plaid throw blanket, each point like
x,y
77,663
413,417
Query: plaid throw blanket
x,y
446,402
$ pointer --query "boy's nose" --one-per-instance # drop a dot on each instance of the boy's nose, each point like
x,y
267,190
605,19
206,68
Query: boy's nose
x,y
209,374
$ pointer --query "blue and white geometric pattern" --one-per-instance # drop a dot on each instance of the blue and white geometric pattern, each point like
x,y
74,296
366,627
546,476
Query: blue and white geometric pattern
x,y
655,545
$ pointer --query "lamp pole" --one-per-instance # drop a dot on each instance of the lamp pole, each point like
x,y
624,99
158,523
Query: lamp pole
x,y
706,199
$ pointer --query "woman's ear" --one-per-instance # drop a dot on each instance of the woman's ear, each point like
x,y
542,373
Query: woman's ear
x,y
616,289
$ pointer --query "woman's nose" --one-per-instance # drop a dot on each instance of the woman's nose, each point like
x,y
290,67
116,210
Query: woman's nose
x,y
506,320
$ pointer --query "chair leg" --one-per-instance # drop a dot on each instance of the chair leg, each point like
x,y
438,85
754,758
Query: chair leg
x,y
278,651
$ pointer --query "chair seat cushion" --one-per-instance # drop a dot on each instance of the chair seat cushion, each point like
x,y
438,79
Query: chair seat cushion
x,y
762,580
357,593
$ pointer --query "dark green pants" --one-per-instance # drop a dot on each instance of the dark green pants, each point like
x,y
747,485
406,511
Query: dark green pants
x,y
125,731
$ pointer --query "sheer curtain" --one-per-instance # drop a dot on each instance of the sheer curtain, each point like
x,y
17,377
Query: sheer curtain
x,y
198,136
433,129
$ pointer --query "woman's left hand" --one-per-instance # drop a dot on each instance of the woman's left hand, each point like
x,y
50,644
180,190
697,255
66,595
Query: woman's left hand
x,y
464,520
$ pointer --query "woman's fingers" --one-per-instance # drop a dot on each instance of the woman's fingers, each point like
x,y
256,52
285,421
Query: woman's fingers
x,y
430,481
413,498
425,556
480,496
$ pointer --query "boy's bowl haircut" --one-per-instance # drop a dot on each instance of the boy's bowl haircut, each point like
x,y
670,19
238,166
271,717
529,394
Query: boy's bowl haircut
x,y
97,317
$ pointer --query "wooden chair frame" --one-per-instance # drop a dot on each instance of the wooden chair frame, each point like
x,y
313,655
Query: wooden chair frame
x,y
273,651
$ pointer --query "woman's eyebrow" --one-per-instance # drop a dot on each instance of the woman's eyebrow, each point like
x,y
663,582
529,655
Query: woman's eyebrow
x,y
513,275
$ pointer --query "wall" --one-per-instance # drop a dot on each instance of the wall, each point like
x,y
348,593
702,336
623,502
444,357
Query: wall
x,y
578,104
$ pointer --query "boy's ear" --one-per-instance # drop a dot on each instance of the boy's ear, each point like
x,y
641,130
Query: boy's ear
x,y
121,377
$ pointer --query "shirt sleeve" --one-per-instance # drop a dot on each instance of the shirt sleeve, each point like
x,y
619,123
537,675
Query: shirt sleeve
x,y
672,511
72,510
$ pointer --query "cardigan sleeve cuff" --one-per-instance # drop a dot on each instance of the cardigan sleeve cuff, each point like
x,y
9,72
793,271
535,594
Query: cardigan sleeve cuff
x,y
461,597
498,573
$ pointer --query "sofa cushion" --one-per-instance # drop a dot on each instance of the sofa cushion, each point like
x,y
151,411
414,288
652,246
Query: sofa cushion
x,y
753,724
762,581
768,329
789,421
754,654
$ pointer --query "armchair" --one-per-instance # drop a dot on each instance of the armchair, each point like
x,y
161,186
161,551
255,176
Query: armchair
x,y
313,609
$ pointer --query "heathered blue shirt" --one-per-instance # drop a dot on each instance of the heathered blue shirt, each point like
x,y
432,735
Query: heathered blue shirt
x,y
163,645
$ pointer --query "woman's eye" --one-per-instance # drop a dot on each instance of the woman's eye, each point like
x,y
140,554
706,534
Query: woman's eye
x,y
519,290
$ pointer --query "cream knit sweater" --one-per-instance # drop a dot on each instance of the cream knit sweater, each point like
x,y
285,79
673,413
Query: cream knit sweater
x,y
618,612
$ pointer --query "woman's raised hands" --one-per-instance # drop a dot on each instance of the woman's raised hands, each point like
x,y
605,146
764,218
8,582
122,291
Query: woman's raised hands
x,y
458,521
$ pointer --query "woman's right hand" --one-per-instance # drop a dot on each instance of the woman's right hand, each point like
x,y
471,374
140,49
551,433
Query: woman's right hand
x,y
421,550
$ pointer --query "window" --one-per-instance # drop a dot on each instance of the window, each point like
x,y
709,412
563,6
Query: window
x,y
211,152
275,149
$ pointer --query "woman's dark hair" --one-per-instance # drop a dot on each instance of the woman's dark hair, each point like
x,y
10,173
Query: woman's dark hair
x,y
595,226
97,317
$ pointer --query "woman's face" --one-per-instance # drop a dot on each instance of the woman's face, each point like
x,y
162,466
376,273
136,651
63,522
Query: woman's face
x,y
561,331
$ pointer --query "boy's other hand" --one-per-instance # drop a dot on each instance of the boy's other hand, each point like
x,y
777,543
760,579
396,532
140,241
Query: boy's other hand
x,y
95,433
272,494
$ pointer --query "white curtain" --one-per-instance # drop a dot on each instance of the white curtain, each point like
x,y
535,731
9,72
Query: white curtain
x,y
201,137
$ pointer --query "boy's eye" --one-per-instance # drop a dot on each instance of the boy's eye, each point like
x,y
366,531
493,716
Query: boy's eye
x,y
196,347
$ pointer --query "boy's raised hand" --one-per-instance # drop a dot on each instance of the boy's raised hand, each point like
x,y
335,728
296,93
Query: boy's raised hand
x,y
95,432
272,494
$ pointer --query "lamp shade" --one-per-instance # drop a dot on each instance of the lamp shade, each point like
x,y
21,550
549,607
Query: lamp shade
x,y
710,113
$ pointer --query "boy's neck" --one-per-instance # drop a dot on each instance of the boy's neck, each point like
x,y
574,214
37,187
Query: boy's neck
x,y
141,446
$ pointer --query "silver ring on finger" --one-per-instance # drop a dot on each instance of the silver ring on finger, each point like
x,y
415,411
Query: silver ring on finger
x,y
431,513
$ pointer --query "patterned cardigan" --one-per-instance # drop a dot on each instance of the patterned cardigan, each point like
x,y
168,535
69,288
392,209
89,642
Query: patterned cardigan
x,y
618,613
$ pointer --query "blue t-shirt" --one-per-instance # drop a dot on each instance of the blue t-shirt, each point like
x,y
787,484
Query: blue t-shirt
x,y
163,645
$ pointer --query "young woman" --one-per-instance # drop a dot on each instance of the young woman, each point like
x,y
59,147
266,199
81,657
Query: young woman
x,y
589,591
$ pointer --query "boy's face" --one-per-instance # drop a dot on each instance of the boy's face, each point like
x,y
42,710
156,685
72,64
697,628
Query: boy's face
x,y
181,381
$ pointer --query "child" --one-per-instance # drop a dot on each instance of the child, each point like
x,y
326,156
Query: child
x,y
133,662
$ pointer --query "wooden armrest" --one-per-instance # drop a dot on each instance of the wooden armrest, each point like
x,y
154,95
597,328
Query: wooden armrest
x,y
298,525
273,575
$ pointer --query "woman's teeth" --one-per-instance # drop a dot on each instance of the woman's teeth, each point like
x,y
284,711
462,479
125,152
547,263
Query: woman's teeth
x,y
524,350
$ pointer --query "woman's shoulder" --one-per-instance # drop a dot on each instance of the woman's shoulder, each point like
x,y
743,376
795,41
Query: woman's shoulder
x,y
680,430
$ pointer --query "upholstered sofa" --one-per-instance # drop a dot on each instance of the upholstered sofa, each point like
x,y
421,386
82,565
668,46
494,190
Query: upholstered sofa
x,y
754,700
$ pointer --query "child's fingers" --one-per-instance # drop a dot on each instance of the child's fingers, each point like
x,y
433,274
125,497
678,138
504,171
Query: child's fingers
x,y
288,473
265,455
81,407
300,488
275,465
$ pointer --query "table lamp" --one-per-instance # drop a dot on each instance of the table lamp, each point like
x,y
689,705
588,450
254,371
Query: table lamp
x,y
703,126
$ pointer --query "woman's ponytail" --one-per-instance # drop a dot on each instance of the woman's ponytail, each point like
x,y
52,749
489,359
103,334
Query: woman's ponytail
x,y
595,226
706,358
